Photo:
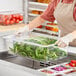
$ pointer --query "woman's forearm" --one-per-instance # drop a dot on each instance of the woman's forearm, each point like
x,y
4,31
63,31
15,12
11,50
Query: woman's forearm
x,y
36,22
74,34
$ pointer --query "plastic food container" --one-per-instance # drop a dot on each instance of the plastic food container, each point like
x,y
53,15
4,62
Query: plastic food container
x,y
48,28
38,48
57,70
10,17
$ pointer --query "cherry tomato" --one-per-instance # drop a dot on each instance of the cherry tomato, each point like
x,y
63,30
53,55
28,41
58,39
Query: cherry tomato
x,y
39,26
10,17
17,16
73,61
67,64
12,22
4,18
51,24
49,28
7,22
13,15
72,65
17,21
21,18
13,19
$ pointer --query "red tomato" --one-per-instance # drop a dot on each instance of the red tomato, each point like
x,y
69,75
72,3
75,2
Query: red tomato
x,y
13,19
67,64
39,26
72,65
13,15
17,16
21,18
10,17
51,24
17,21
49,28
12,22
4,18
7,22
73,61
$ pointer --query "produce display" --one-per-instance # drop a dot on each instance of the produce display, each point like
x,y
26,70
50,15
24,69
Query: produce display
x,y
50,26
9,19
72,63
35,52
60,69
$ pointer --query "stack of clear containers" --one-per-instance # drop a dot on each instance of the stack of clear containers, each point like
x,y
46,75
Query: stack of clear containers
x,y
38,48
11,17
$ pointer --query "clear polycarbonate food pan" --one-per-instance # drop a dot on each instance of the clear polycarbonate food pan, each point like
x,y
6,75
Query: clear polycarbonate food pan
x,y
37,50
10,17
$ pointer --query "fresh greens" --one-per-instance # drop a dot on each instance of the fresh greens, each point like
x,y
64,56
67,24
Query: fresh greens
x,y
41,40
36,52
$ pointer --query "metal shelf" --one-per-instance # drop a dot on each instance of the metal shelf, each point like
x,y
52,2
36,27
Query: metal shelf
x,y
36,9
37,3
29,6
44,30
30,14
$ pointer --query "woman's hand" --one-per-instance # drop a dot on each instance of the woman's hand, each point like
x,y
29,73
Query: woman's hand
x,y
64,41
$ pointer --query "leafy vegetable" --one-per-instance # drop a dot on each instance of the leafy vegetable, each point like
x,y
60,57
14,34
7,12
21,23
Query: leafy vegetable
x,y
38,53
41,40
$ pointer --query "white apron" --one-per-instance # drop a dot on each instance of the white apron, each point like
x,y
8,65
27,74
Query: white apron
x,y
64,16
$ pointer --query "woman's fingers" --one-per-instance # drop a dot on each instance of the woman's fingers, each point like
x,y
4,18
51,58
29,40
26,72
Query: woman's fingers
x,y
57,42
60,43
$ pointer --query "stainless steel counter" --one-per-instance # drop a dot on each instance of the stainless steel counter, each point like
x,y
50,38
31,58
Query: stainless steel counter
x,y
10,69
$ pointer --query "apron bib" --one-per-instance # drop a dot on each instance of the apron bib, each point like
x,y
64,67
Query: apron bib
x,y
64,16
